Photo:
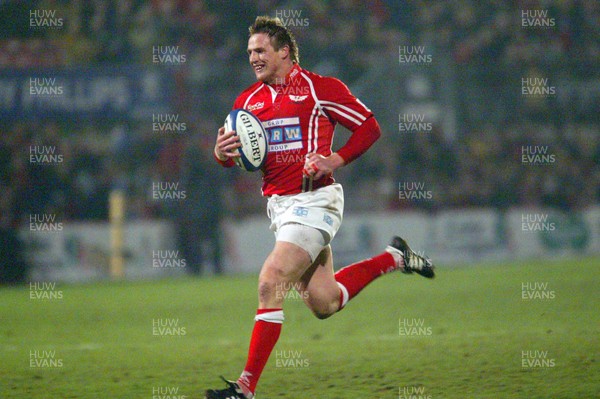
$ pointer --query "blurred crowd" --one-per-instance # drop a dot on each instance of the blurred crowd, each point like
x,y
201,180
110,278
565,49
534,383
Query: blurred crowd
x,y
482,44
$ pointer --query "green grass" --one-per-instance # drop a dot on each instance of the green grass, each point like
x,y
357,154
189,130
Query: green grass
x,y
479,324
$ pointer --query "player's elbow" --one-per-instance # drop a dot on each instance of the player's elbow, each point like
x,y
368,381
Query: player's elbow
x,y
374,128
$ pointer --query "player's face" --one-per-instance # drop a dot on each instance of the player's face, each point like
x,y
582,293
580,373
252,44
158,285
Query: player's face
x,y
266,62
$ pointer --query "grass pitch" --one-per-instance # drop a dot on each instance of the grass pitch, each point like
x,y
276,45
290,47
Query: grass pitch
x,y
467,334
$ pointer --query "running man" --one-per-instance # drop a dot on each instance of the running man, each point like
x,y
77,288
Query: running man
x,y
299,110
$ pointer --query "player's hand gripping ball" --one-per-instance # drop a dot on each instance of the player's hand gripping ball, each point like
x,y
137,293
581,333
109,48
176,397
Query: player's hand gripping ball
x,y
252,136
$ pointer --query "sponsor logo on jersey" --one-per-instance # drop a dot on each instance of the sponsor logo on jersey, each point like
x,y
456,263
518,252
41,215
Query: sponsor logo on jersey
x,y
297,99
284,134
256,106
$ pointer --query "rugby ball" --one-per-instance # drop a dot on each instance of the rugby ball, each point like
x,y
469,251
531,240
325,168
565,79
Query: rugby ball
x,y
252,136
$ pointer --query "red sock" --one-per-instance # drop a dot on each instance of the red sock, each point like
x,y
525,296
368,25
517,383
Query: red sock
x,y
264,337
352,279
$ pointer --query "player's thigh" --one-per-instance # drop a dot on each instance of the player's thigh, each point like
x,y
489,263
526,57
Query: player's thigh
x,y
286,263
317,285
295,247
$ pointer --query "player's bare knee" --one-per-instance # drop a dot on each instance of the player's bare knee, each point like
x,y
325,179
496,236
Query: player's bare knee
x,y
273,274
322,315
325,311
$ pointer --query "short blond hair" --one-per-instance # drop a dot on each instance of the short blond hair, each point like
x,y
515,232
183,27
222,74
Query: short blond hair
x,y
280,35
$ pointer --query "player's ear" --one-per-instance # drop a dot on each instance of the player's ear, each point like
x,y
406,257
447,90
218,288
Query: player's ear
x,y
284,51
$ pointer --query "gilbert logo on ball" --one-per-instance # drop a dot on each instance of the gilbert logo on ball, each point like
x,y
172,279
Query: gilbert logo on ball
x,y
252,136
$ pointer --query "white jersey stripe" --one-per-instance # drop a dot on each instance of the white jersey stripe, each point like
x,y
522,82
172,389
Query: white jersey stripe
x,y
312,121
250,96
345,115
361,103
330,104
316,134
313,134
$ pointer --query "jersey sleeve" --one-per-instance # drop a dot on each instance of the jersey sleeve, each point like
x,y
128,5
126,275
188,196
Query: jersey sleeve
x,y
361,140
340,105
228,163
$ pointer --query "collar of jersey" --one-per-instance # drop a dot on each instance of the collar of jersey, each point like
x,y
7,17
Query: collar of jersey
x,y
287,79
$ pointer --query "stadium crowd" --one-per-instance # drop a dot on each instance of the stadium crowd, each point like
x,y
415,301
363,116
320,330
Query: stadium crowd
x,y
481,164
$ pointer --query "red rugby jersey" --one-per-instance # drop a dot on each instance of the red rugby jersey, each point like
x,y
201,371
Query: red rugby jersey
x,y
299,115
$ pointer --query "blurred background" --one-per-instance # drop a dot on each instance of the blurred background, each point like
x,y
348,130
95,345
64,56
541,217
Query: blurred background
x,y
489,112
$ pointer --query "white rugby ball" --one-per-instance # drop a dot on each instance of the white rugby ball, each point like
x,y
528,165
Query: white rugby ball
x,y
252,136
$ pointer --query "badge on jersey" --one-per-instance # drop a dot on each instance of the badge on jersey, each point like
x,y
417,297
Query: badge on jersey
x,y
284,134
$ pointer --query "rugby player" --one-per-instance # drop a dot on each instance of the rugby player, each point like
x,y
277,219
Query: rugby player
x,y
300,110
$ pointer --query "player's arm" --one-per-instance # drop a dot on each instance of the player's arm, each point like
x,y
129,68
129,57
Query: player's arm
x,y
226,147
362,138
341,106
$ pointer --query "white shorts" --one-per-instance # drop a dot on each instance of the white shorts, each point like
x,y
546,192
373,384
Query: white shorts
x,y
322,209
